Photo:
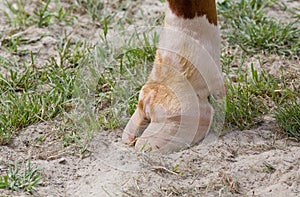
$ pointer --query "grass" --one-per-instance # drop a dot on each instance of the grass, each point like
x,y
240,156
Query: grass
x,y
93,7
288,118
252,94
18,16
248,32
91,87
116,13
247,25
33,93
123,77
43,18
24,178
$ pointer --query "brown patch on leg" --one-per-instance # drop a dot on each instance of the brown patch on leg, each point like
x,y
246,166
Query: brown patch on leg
x,y
190,9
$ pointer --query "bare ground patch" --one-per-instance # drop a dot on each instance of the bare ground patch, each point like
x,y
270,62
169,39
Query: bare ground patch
x,y
249,163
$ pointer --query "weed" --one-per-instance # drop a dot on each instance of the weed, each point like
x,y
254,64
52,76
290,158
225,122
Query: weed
x,y
38,94
98,10
92,7
118,14
123,77
242,107
288,119
245,24
65,15
11,44
43,16
17,15
248,26
25,178
250,96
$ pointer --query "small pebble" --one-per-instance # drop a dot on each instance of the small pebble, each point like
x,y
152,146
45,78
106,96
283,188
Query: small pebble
x,y
62,161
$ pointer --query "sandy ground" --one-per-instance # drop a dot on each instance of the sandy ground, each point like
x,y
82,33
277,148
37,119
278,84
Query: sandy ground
x,y
248,163
254,162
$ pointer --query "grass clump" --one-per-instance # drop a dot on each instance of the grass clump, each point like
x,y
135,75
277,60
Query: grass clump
x,y
24,178
247,25
123,76
100,11
252,94
92,7
31,94
43,17
247,28
243,108
18,16
288,119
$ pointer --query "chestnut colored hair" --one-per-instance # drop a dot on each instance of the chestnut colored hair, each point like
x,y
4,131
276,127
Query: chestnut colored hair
x,y
191,8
